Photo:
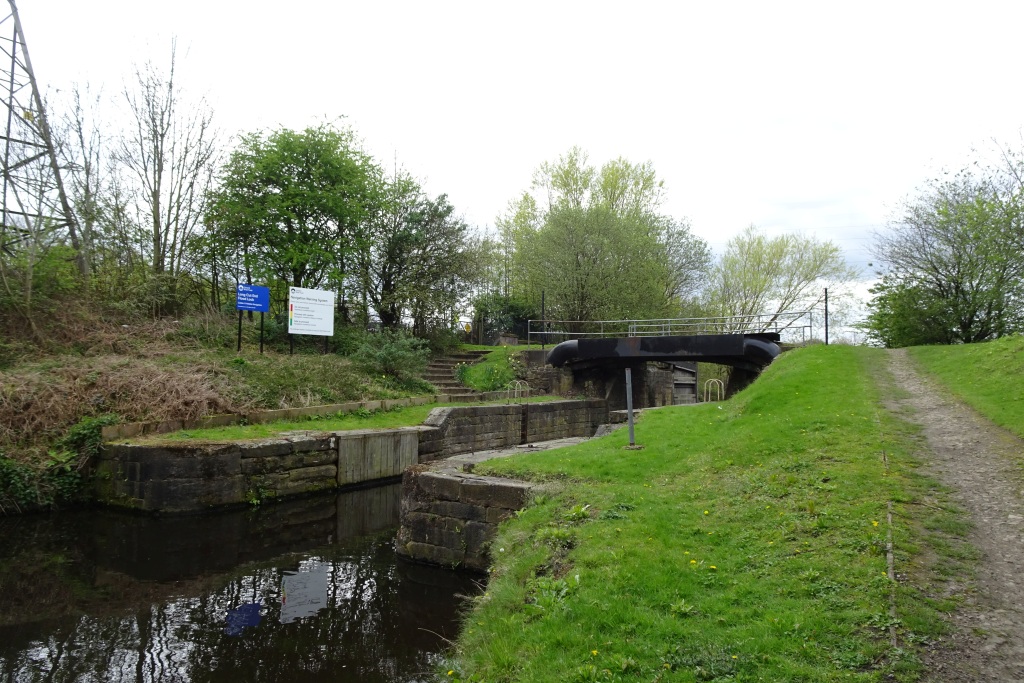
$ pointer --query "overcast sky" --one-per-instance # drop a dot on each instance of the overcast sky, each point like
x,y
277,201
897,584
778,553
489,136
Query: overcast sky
x,y
815,117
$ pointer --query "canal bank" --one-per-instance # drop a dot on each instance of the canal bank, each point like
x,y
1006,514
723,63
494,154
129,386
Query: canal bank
x,y
190,476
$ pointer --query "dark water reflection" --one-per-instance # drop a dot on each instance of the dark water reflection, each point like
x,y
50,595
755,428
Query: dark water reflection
x,y
309,590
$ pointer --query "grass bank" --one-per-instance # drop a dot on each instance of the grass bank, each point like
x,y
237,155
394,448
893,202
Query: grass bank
x,y
746,541
986,376
406,416
495,370
55,397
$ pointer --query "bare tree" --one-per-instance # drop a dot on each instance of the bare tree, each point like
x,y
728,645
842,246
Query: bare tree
x,y
764,278
81,149
169,152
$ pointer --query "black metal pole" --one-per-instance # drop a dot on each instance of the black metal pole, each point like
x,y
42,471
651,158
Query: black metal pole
x,y
543,321
629,405
239,330
291,344
826,316
261,333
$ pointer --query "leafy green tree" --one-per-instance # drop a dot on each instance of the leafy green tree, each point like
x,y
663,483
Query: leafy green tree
x,y
593,240
412,255
289,203
953,264
594,264
770,276
902,314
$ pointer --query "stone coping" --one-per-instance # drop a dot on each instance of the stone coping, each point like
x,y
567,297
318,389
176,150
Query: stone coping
x,y
130,430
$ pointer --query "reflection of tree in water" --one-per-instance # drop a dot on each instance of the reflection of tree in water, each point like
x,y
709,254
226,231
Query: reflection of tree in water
x,y
363,633
379,624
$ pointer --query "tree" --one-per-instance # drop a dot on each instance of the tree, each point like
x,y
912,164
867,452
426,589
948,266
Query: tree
x,y
594,264
412,254
169,153
770,276
903,313
599,248
953,264
289,203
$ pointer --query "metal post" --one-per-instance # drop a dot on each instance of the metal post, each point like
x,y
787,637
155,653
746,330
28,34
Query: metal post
x,y
261,333
239,330
826,316
543,318
629,405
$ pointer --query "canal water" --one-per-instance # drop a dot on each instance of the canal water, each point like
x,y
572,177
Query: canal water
x,y
306,590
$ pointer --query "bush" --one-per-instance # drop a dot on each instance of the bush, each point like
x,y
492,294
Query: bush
x,y
395,354
443,341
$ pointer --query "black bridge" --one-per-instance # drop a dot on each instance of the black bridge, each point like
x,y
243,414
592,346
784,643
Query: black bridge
x,y
750,352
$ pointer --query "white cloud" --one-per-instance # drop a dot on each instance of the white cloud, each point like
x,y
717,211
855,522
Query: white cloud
x,y
810,117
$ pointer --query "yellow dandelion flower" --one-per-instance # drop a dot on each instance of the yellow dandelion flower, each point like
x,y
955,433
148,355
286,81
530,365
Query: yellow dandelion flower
x,y
874,523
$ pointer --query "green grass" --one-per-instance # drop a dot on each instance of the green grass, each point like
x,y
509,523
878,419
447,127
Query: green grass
x,y
744,542
987,376
495,370
362,419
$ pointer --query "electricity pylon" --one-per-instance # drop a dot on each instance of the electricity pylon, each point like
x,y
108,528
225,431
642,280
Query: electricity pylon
x,y
33,193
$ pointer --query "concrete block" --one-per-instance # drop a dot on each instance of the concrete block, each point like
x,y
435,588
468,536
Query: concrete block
x,y
497,515
477,536
308,442
182,495
439,486
328,473
457,510
431,554
265,448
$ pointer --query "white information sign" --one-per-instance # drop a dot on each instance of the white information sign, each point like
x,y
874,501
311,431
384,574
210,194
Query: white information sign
x,y
310,311
303,593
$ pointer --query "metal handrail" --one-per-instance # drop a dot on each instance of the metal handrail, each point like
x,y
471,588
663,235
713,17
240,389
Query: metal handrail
x,y
516,389
797,323
719,387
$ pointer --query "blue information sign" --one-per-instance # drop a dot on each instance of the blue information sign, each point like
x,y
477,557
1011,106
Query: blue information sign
x,y
253,298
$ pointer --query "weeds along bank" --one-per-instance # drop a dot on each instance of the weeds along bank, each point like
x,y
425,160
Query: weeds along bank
x,y
55,399
746,541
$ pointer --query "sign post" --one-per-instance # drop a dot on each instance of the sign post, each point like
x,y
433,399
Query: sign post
x,y
629,406
311,311
251,298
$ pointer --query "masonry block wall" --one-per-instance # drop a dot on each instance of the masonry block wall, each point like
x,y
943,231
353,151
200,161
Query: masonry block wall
x,y
466,429
450,518
561,419
181,477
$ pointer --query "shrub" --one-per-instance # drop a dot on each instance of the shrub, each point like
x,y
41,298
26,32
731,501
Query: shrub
x,y
395,354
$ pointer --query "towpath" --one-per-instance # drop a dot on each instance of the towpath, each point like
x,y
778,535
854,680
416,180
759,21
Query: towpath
x,y
981,464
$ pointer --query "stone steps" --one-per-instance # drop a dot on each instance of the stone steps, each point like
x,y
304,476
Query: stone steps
x,y
441,373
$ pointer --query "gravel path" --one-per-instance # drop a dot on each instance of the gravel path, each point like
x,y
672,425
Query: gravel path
x,y
979,462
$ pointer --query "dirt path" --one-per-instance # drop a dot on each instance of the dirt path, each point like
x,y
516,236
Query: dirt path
x,y
977,461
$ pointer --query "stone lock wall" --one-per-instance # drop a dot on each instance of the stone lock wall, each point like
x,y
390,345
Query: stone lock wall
x,y
465,429
188,476
449,518
561,419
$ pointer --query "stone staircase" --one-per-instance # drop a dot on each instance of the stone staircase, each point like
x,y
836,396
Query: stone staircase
x,y
441,373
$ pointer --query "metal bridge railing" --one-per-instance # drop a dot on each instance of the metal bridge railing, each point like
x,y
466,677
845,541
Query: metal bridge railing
x,y
794,327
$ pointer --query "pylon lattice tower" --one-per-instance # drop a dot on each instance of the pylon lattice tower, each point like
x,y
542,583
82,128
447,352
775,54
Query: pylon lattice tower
x,y
32,191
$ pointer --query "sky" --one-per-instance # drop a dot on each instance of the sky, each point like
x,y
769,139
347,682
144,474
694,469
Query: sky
x,y
815,118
